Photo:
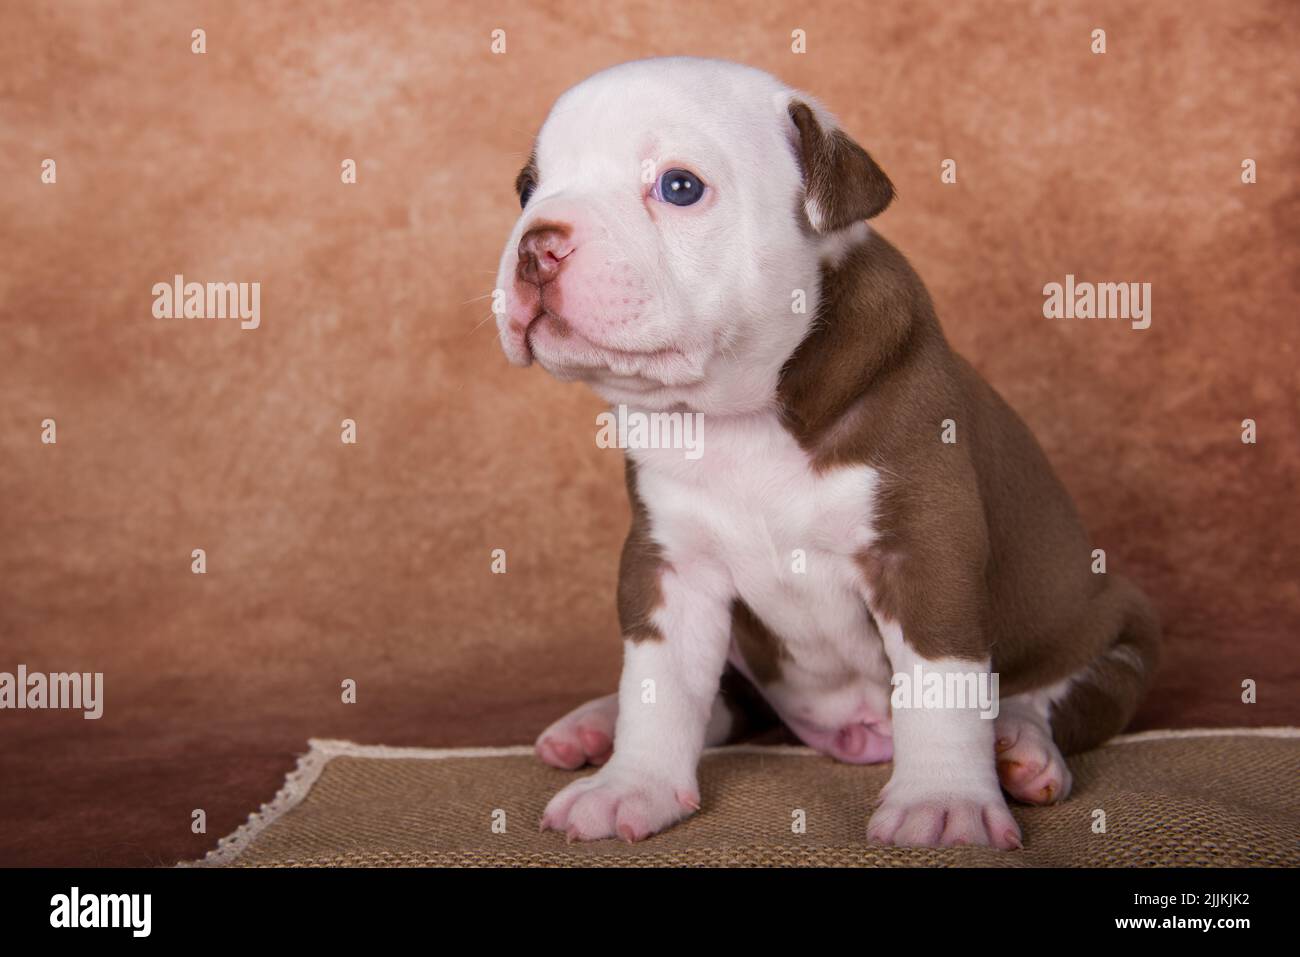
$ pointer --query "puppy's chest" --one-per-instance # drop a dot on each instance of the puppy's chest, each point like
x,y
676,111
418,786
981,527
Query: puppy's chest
x,y
787,535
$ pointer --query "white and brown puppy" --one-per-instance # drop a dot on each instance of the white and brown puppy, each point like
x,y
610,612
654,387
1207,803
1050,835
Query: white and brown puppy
x,y
674,212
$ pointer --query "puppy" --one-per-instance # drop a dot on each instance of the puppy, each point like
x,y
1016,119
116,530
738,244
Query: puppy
x,y
867,513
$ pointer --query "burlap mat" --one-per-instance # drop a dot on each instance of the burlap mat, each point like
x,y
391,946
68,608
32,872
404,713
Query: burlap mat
x,y
1221,798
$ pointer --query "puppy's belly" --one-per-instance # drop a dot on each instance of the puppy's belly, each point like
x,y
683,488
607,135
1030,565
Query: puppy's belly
x,y
787,536
819,662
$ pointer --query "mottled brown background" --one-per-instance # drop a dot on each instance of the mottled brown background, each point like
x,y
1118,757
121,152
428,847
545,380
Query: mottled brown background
x,y
371,562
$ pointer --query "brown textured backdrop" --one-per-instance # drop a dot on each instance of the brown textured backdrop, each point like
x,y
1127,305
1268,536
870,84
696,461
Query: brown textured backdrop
x,y
371,562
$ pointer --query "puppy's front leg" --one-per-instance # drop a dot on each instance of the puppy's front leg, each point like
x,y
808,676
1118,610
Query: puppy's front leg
x,y
671,671
944,790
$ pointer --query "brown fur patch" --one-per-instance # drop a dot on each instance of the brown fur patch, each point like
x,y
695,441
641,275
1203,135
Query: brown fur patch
x,y
841,179
762,649
639,570
980,551
1102,702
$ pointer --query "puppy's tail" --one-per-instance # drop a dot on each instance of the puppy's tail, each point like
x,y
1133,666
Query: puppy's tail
x,y
1102,700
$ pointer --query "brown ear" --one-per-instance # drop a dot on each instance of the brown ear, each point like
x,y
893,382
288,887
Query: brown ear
x,y
842,183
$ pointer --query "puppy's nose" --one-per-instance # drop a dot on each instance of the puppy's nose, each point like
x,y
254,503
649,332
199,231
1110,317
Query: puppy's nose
x,y
542,252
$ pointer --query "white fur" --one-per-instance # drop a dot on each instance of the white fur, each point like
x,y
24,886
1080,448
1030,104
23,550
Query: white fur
x,y
682,307
944,789
666,698
691,308
728,525
742,511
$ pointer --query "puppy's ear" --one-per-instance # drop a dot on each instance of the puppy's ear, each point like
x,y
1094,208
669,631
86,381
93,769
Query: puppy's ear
x,y
842,183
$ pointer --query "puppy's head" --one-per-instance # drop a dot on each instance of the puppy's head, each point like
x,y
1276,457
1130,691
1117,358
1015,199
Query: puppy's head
x,y
676,213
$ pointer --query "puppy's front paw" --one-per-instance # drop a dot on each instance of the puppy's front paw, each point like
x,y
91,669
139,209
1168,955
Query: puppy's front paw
x,y
945,820
618,802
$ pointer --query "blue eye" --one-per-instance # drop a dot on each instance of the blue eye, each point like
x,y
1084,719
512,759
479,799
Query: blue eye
x,y
680,187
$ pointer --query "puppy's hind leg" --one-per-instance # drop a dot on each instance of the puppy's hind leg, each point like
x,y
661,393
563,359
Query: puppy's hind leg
x,y
1036,730
1031,767
583,736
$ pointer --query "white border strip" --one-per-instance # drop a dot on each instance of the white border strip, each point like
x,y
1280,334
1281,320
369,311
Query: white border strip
x,y
321,751
1174,733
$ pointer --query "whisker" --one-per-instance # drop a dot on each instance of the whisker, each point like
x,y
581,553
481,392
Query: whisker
x,y
490,316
